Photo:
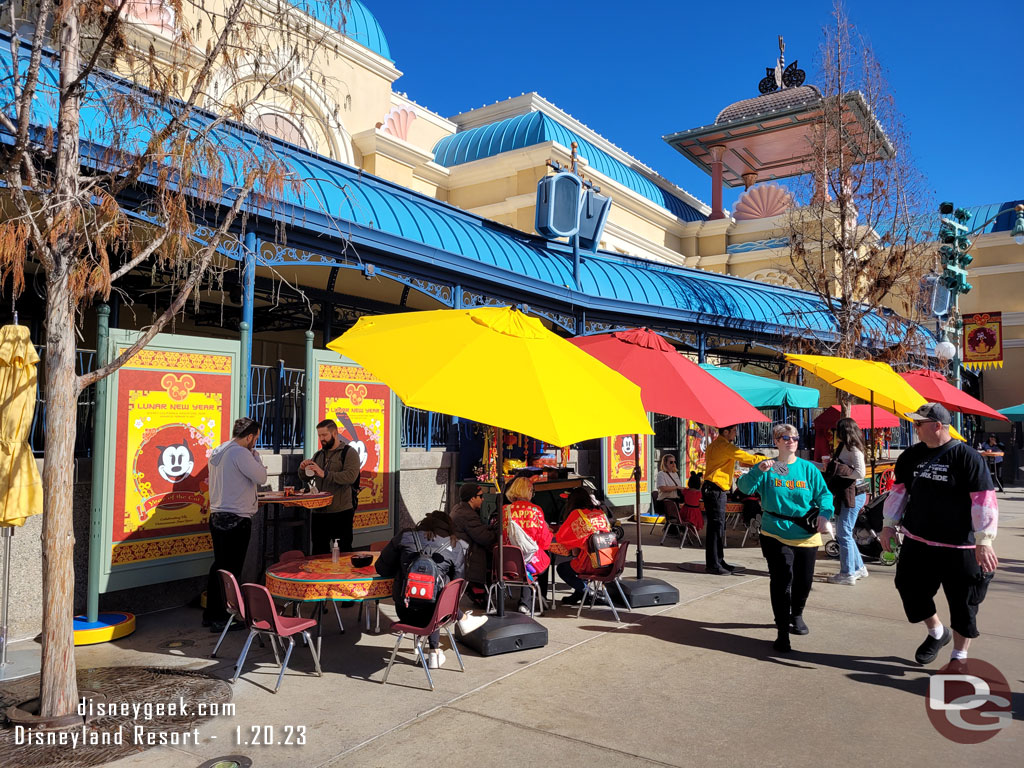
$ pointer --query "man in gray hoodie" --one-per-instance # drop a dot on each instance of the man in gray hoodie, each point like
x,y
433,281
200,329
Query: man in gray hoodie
x,y
236,471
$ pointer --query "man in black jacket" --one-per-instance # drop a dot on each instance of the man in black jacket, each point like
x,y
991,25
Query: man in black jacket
x,y
334,469
467,525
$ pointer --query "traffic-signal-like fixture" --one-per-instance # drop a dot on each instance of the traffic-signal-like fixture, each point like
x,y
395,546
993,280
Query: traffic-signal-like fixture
x,y
954,249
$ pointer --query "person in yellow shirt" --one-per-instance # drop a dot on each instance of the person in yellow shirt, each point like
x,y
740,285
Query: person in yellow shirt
x,y
719,467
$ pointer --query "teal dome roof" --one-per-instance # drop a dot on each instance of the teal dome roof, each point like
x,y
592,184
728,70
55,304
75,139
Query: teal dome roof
x,y
356,23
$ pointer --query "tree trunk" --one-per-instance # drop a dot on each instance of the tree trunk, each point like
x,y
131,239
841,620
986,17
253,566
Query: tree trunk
x,y
59,695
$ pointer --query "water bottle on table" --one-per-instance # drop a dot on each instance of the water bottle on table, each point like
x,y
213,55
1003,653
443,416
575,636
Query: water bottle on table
x,y
334,551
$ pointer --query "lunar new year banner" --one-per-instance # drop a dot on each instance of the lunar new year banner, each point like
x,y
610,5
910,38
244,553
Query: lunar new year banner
x,y
983,340
620,457
167,408
361,406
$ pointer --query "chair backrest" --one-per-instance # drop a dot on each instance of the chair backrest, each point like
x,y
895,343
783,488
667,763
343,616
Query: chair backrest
x,y
447,604
291,554
618,565
378,546
232,597
654,496
509,565
260,609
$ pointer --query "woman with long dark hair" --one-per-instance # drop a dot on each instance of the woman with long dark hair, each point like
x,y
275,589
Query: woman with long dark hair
x,y
845,470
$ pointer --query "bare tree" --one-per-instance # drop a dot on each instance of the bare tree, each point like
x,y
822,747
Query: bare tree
x,y
857,239
166,75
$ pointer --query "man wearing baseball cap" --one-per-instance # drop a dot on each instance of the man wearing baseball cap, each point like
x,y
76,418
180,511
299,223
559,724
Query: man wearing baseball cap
x,y
944,504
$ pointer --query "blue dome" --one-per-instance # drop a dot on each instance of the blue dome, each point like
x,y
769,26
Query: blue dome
x,y
357,24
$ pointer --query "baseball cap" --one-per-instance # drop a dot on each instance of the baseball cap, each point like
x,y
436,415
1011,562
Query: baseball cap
x,y
931,412
468,491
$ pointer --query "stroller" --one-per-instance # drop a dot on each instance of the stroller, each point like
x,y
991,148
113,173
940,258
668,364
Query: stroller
x,y
865,534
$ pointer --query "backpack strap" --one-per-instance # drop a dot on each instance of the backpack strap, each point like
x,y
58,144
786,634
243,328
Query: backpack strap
x,y
929,462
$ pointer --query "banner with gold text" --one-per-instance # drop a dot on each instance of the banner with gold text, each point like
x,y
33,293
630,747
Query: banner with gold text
x,y
620,455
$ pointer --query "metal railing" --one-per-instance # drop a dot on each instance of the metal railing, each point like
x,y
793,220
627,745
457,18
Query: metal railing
x,y
277,400
425,429
84,363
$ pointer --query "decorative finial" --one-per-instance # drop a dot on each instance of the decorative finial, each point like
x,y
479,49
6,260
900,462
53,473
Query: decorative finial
x,y
781,76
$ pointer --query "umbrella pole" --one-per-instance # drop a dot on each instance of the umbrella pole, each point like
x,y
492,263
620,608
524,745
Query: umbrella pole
x,y
6,532
499,444
871,485
639,533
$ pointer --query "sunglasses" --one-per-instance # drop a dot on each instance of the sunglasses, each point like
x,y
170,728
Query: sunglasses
x,y
789,438
478,496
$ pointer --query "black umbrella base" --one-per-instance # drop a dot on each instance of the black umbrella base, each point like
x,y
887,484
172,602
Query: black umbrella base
x,y
701,568
506,634
644,592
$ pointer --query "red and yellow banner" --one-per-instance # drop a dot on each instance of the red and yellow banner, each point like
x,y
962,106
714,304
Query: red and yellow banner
x,y
362,409
621,455
172,410
983,340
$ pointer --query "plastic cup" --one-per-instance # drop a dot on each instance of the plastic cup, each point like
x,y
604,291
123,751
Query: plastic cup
x,y
310,472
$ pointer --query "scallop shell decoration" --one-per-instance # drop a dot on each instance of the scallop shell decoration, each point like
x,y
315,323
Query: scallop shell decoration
x,y
397,122
762,201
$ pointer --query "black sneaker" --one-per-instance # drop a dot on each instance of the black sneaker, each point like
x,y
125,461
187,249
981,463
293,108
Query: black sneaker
x,y
798,626
716,571
781,644
734,568
218,626
929,649
574,599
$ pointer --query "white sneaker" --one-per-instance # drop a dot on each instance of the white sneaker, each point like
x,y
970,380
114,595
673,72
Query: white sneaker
x,y
435,659
468,623
842,578
862,572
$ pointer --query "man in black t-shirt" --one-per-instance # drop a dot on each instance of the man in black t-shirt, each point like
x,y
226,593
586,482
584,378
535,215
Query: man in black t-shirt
x,y
944,503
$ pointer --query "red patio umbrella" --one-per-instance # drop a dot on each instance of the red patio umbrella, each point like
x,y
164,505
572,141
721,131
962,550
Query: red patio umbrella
x,y
670,384
933,386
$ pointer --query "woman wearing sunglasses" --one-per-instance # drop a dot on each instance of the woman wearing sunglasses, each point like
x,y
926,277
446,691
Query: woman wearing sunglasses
x,y
796,507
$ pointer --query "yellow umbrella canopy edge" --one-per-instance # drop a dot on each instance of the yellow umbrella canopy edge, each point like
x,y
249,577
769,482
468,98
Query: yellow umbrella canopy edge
x,y
21,488
862,378
444,361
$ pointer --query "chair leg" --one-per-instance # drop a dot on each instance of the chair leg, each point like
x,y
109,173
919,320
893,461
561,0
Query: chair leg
x,y
394,652
316,656
338,614
579,609
608,599
273,645
451,642
284,666
491,597
622,594
423,661
245,651
220,639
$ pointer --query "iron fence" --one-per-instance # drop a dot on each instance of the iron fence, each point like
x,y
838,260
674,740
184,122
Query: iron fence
x,y
425,429
277,400
85,421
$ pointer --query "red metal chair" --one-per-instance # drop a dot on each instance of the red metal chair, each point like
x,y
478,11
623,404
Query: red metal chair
x,y
263,618
446,612
510,567
598,583
233,603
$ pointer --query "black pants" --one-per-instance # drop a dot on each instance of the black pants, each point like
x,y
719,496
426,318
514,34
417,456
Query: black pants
x,y
714,538
922,569
230,534
332,525
791,571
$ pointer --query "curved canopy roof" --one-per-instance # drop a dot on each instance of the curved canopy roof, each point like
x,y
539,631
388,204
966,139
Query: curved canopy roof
x,y
536,128
335,206
352,19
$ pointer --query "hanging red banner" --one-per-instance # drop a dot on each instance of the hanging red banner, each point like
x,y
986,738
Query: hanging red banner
x,y
983,340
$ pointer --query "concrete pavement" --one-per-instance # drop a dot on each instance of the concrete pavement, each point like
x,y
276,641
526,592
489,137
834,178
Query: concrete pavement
x,y
690,684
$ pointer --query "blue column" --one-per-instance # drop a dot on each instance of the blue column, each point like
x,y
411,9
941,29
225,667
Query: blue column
x,y
702,348
248,289
97,550
309,410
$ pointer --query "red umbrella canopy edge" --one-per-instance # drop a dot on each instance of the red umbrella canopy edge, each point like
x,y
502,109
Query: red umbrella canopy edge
x,y
934,387
670,384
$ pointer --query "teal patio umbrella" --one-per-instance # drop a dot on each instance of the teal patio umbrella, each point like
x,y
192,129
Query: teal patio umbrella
x,y
762,392
1014,412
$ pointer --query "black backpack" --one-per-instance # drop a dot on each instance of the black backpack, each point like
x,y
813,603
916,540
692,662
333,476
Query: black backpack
x,y
424,579
355,485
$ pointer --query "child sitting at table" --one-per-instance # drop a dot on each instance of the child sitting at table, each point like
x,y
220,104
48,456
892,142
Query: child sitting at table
x,y
690,507
585,517
433,536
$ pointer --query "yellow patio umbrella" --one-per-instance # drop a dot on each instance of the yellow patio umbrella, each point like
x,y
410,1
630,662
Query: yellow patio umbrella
x,y
21,489
496,366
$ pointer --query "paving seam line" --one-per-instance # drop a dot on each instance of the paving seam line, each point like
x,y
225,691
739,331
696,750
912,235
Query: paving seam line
x,y
568,648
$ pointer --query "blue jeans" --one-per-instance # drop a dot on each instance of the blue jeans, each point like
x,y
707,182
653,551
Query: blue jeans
x,y
850,560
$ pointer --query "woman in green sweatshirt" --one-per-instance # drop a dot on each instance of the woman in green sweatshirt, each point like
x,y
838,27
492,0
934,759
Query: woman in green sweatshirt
x,y
789,488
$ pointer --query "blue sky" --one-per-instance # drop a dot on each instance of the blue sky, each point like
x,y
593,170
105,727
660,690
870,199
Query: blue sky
x,y
636,71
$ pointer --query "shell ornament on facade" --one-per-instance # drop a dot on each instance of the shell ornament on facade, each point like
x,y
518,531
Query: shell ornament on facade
x,y
761,202
397,122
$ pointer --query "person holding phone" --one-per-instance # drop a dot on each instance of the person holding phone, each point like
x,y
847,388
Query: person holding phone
x,y
945,505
